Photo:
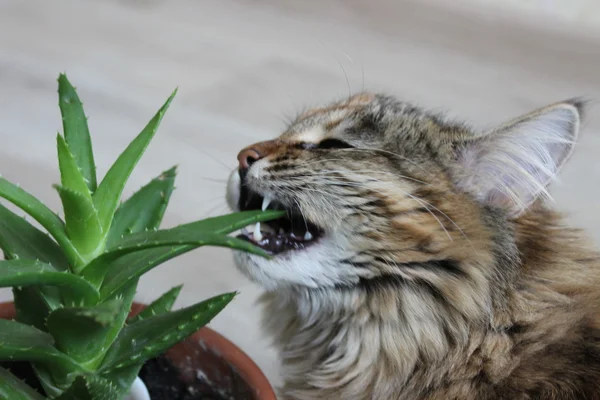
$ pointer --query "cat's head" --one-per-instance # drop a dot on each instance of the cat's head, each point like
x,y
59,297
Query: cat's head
x,y
377,189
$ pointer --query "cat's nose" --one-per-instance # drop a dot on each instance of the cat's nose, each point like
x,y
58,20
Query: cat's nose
x,y
255,152
247,157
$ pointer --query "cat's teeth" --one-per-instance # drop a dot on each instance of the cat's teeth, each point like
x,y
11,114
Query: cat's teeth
x,y
257,234
308,236
266,202
245,231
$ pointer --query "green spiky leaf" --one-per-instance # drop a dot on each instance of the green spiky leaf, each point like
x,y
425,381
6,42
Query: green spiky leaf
x,y
228,223
31,306
171,243
70,175
121,274
201,233
129,267
26,272
89,352
50,386
159,306
41,214
90,387
122,378
20,342
83,225
174,237
144,210
109,191
80,331
12,388
125,295
20,239
150,337
76,131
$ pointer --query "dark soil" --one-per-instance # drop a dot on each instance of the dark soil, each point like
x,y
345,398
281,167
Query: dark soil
x,y
160,376
163,382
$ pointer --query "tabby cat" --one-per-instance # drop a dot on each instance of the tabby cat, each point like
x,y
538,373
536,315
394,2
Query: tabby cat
x,y
419,259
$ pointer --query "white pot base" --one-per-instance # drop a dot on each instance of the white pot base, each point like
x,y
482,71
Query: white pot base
x,y
138,391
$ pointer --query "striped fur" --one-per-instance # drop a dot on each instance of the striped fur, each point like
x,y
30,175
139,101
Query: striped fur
x,y
442,274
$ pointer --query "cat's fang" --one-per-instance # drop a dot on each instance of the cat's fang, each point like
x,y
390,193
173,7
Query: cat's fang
x,y
265,203
308,236
257,233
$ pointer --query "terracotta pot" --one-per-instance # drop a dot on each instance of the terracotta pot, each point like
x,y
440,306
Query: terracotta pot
x,y
212,357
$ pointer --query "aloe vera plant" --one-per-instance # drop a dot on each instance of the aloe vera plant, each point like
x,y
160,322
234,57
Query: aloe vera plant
x,y
74,285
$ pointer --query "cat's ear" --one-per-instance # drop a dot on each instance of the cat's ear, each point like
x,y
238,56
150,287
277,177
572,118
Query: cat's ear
x,y
512,165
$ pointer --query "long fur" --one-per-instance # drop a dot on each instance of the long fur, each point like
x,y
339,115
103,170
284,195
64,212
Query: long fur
x,y
442,274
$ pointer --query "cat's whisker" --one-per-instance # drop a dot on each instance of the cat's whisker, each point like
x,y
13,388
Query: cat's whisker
x,y
212,210
316,162
214,180
215,159
338,174
324,173
302,214
424,204
345,73
362,71
397,268
387,152
375,172
347,80
446,216
421,201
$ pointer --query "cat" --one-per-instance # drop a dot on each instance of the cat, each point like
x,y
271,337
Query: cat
x,y
418,258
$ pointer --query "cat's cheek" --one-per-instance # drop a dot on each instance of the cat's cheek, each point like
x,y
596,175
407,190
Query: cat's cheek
x,y
249,265
312,268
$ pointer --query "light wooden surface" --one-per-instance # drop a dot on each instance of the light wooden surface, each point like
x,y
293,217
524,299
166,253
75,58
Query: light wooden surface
x,y
243,66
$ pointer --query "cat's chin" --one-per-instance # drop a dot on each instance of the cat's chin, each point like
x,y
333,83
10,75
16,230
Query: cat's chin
x,y
312,267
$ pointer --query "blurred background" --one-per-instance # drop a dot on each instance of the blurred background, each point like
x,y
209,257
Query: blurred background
x,y
244,66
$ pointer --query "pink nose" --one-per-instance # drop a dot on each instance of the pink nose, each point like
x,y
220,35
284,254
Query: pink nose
x,y
247,157
255,152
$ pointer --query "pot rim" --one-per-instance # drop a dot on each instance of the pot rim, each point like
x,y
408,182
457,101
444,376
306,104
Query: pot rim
x,y
244,365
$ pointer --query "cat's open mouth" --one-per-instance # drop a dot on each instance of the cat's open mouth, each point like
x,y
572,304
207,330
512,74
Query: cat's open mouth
x,y
290,232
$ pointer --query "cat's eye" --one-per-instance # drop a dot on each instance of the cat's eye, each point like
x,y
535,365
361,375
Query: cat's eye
x,y
306,145
333,144
324,144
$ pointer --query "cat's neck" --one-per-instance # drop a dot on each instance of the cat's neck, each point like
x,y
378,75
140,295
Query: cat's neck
x,y
336,334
